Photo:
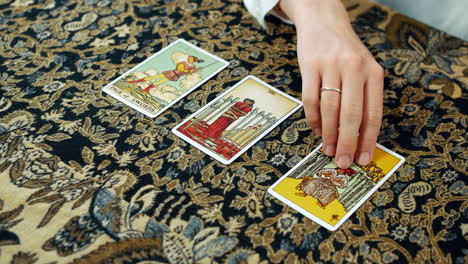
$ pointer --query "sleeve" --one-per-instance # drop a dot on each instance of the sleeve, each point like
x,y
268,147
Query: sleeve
x,y
260,8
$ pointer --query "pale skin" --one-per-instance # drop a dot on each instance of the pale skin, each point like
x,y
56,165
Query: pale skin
x,y
331,55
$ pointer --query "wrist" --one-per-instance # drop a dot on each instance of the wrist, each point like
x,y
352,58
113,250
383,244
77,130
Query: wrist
x,y
300,11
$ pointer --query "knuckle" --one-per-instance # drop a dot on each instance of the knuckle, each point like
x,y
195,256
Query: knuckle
x,y
309,62
352,120
329,102
310,101
353,112
330,61
377,71
374,117
354,61
313,122
346,143
321,58
329,136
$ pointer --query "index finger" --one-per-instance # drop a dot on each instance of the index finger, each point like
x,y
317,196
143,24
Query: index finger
x,y
311,98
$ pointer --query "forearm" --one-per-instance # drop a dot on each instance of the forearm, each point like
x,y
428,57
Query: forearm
x,y
320,18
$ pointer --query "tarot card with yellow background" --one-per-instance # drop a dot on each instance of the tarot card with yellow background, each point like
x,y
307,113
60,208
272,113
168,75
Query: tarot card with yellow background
x,y
164,78
318,189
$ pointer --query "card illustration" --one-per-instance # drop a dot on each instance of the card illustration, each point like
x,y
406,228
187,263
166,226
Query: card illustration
x,y
320,190
165,78
234,121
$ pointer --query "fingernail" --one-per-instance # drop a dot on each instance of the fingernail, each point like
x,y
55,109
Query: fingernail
x,y
344,162
330,150
363,158
317,131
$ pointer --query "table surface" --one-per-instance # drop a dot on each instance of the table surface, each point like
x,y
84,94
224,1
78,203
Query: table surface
x,y
86,179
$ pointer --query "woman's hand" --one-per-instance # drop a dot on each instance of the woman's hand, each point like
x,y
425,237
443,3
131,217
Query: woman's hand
x,y
331,55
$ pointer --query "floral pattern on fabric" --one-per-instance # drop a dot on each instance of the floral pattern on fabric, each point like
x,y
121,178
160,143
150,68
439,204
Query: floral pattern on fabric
x,y
86,179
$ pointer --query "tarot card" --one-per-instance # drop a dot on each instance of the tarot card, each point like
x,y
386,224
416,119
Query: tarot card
x,y
166,77
229,125
318,189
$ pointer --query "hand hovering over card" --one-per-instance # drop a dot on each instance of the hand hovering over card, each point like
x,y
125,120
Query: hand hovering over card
x,y
332,56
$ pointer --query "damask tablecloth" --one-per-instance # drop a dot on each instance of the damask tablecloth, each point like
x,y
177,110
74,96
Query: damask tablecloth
x,y
86,179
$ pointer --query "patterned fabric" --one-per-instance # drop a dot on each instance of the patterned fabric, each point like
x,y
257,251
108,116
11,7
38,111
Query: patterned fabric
x,y
86,179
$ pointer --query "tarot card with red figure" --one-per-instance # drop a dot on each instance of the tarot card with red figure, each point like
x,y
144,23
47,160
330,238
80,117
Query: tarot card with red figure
x,y
163,79
229,125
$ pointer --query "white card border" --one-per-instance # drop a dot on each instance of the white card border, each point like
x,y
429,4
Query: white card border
x,y
353,209
217,156
141,110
